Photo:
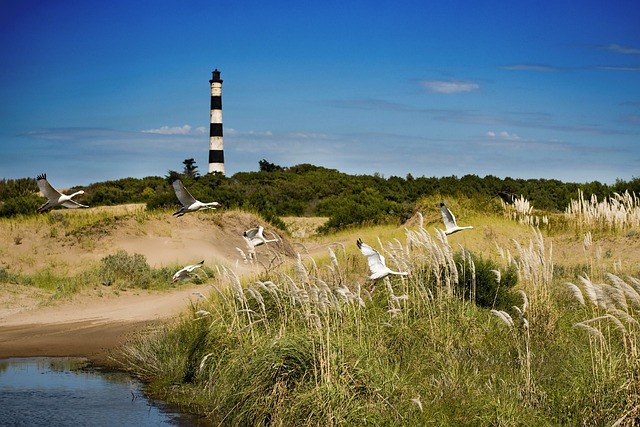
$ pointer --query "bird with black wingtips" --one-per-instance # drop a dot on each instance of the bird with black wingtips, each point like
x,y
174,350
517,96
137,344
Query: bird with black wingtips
x,y
377,265
255,236
56,198
189,203
185,273
450,224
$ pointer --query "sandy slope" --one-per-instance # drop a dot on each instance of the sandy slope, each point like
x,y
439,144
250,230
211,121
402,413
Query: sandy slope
x,y
97,321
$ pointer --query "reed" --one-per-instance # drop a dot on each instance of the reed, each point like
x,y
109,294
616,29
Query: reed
x,y
617,212
613,331
309,345
522,212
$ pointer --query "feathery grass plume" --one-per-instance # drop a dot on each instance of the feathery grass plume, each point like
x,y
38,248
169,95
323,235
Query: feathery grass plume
x,y
535,273
246,259
629,291
332,256
525,300
576,292
617,212
504,316
590,289
591,331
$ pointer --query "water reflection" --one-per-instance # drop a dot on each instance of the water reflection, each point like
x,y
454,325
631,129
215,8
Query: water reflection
x,y
64,392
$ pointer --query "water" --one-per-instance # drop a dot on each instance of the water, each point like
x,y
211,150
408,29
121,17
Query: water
x,y
66,392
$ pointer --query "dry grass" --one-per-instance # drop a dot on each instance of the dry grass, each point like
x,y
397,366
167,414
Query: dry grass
x,y
619,212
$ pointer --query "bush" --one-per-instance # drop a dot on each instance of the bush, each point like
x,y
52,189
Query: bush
x,y
124,270
21,205
493,286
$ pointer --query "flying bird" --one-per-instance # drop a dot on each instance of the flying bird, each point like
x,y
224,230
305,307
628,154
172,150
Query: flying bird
x,y
450,221
189,203
377,266
56,198
185,273
255,237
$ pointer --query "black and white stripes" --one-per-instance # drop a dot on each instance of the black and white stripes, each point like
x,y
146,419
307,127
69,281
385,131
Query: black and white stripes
x,y
216,148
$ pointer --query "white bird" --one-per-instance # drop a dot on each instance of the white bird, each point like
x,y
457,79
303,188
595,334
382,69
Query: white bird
x,y
377,266
450,221
255,237
56,198
184,274
189,203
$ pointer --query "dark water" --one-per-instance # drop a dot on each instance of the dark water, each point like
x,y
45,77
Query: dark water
x,y
66,392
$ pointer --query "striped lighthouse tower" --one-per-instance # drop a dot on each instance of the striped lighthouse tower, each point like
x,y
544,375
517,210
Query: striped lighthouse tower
x,y
216,151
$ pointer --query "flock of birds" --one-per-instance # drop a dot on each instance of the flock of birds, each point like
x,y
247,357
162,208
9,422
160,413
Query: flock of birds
x,y
254,236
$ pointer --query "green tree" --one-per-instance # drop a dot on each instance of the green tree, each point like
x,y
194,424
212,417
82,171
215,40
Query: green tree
x,y
190,168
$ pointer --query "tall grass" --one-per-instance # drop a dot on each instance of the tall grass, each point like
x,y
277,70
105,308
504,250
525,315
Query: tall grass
x,y
613,331
522,211
309,345
618,212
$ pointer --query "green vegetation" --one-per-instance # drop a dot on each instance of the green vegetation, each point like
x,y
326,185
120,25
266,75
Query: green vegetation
x,y
119,271
308,346
307,190
466,339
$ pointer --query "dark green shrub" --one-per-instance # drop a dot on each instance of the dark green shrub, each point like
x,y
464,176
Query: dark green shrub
x,y
21,205
484,287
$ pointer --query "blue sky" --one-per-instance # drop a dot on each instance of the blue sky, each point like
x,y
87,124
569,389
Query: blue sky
x,y
91,91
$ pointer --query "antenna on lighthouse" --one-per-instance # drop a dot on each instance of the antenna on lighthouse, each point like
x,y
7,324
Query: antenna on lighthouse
x,y
216,146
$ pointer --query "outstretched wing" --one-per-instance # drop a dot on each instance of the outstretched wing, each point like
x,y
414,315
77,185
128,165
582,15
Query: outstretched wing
x,y
374,258
183,194
253,232
194,266
72,204
447,217
46,189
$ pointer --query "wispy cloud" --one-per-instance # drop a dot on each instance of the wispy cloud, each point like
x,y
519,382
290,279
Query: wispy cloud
x,y
503,135
531,67
506,140
618,67
371,104
449,86
250,133
307,135
177,130
614,47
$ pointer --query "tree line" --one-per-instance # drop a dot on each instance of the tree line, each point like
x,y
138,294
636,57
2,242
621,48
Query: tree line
x,y
308,190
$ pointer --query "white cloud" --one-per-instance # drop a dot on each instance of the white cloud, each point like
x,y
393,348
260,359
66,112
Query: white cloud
x,y
623,49
174,130
504,135
445,86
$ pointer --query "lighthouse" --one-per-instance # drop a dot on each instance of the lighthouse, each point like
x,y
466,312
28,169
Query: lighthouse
x,y
216,149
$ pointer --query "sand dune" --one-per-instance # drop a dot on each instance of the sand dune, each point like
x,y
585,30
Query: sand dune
x,y
95,322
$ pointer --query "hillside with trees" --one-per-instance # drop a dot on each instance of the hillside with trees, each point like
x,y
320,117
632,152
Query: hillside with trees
x,y
308,190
